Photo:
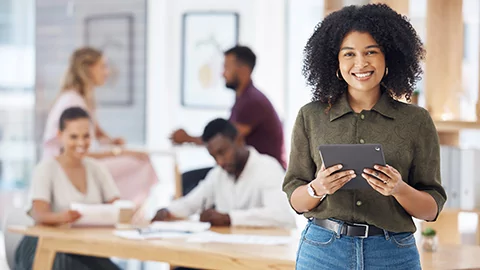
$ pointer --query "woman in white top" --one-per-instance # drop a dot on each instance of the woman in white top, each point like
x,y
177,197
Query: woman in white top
x,y
69,178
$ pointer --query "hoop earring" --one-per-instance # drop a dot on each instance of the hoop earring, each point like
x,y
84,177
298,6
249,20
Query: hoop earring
x,y
338,76
386,71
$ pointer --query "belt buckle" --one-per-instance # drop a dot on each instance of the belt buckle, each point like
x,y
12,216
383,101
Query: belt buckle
x,y
366,229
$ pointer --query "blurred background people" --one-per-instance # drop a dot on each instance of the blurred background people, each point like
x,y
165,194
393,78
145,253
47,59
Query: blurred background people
x,y
253,115
244,189
132,170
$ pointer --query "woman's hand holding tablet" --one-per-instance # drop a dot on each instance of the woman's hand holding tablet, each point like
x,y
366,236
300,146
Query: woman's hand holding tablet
x,y
356,157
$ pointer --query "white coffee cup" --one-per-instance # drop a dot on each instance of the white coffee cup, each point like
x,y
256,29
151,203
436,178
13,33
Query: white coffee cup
x,y
126,211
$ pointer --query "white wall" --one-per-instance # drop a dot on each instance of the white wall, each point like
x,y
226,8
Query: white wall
x,y
302,17
261,27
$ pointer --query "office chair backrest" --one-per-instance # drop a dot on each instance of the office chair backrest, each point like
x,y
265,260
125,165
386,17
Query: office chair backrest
x,y
16,216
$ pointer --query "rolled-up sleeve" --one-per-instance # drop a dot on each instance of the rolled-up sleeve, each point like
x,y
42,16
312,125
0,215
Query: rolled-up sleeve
x,y
425,170
301,167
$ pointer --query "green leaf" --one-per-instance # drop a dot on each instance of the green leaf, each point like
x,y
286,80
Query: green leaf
x,y
429,232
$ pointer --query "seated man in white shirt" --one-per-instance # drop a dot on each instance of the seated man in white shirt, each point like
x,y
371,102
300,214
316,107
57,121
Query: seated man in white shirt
x,y
243,190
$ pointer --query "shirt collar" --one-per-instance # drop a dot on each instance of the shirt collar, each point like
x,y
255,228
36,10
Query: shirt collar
x,y
384,106
251,161
249,165
340,108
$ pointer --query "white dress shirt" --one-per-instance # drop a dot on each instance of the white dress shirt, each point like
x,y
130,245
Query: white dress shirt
x,y
255,199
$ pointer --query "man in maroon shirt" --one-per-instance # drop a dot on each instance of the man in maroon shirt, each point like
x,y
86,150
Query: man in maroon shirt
x,y
252,114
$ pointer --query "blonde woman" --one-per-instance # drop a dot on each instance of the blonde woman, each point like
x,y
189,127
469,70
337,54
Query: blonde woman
x,y
131,170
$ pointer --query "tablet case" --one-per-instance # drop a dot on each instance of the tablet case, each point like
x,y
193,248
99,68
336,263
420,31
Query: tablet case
x,y
353,157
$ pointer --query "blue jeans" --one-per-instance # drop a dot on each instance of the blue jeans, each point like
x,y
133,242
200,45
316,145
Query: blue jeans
x,y
321,248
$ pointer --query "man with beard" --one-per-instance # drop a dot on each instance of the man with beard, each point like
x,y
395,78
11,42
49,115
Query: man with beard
x,y
252,114
244,189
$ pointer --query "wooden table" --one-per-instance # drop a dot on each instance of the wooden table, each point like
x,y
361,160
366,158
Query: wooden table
x,y
102,242
451,257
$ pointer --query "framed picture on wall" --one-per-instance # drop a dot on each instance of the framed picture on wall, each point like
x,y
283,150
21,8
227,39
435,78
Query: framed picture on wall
x,y
113,34
205,36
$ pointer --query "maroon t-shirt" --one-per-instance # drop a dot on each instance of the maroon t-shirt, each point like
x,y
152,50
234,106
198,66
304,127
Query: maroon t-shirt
x,y
253,108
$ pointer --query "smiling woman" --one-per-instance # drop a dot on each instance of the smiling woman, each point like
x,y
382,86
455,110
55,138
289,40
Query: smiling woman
x,y
362,62
76,140
358,61
57,183
401,55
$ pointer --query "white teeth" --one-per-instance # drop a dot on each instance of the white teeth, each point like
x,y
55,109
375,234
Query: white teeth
x,y
363,75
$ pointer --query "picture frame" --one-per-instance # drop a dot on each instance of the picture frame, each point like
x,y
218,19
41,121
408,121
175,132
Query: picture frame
x,y
113,34
205,37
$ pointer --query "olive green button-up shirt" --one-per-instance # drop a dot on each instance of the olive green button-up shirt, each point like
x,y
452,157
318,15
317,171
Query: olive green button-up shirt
x,y
410,144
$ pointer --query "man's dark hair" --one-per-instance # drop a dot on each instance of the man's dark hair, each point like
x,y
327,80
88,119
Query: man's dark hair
x,y
219,126
72,113
397,38
244,55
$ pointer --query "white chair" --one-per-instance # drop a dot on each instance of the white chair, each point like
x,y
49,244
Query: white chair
x,y
16,216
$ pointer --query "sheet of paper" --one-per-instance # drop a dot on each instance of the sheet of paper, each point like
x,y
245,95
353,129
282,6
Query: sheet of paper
x,y
96,214
178,226
135,235
211,237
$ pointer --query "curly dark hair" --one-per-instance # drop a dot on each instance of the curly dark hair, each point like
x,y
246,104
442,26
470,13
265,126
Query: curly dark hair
x,y
398,39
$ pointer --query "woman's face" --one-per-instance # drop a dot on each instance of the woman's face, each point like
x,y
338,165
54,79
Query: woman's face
x,y
99,72
75,137
361,62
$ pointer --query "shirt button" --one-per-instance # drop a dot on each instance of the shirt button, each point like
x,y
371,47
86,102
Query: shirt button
x,y
359,203
362,141
362,116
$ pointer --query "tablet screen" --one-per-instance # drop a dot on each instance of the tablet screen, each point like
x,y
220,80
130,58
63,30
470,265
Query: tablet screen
x,y
353,157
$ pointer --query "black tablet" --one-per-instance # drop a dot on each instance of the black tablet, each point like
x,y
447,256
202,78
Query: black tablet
x,y
353,157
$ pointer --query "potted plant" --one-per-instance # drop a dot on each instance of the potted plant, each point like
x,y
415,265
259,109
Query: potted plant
x,y
429,239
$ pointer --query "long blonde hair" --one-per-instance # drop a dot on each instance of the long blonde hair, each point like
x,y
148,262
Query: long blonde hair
x,y
77,76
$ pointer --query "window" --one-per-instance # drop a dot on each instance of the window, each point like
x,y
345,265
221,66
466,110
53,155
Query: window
x,y
17,151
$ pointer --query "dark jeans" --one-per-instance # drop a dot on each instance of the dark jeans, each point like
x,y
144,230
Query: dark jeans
x,y
191,179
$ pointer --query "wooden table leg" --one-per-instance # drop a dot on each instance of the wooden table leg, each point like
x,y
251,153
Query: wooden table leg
x,y
44,257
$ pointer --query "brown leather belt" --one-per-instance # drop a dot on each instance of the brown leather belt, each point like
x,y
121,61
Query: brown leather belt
x,y
350,229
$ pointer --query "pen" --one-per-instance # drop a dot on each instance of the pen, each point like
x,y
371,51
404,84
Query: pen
x,y
147,231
